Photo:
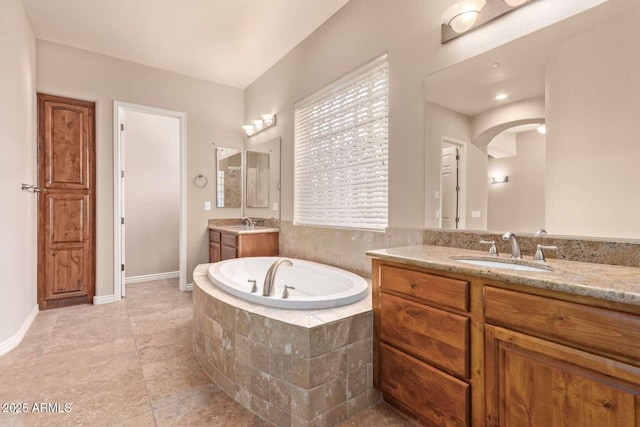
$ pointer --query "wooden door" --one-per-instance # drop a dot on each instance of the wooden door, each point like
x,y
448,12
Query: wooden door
x,y
533,382
66,210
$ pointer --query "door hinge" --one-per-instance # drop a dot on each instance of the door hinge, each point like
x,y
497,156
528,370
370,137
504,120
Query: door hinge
x,y
457,156
122,220
121,174
121,267
457,220
122,126
457,188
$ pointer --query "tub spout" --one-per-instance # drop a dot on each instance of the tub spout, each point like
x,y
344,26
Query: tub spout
x,y
269,288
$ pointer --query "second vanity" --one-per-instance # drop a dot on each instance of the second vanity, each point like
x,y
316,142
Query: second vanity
x,y
238,241
457,344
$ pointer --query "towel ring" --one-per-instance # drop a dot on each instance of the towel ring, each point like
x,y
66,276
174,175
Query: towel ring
x,y
200,181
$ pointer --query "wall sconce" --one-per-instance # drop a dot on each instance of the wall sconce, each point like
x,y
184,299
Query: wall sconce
x,y
499,179
542,129
467,15
257,126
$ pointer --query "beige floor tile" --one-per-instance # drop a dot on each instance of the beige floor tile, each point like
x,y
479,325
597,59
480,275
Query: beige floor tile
x,y
208,406
380,414
15,380
165,344
143,420
173,375
162,320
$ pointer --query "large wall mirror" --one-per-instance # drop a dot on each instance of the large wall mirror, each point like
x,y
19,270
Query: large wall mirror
x,y
578,78
262,179
228,178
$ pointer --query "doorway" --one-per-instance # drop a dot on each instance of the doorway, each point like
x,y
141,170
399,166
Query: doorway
x,y
453,183
66,201
146,252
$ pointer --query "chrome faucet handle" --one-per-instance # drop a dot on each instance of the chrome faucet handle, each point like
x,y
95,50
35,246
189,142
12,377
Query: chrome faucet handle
x,y
254,288
285,293
493,251
539,256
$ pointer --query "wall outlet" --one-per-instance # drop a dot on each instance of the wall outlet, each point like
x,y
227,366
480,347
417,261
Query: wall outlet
x,y
276,207
207,206
475,214
437,195
437,214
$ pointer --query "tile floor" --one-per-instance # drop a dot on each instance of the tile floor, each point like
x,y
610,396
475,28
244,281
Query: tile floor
x,y
125,364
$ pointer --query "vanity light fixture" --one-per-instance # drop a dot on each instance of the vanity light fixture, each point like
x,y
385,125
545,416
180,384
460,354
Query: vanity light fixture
x,y
499,179
461,16
501,96
542,129
257,126
467,15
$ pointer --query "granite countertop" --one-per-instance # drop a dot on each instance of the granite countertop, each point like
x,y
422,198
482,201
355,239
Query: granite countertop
x,y
243,229
608,282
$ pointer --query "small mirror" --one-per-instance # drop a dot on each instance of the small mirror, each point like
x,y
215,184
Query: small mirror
x,y
257,179
262,175
229,178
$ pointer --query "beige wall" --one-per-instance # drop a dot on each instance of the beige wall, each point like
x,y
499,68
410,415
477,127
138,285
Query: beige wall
x,y
593,104
17,165
152,193
214,114
518,205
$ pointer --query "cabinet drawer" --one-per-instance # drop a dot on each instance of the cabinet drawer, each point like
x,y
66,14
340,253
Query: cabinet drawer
x,y
214,236
599,329
227,253
431,395
432,335
230,240
426,287
214,252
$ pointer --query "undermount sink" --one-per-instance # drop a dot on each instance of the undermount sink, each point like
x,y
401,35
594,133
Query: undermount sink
x,y
503,264
240,227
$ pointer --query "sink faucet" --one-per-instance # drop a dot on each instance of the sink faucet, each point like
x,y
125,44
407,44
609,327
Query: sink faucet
x,y
515,246
269,288
249,221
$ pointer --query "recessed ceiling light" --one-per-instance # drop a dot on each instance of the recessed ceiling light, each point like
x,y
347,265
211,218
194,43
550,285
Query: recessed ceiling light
x,y
501,96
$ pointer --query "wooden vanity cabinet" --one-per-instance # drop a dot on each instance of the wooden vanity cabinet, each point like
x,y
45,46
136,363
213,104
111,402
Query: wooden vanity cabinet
x,y
223,245
458,350
557,363
421,350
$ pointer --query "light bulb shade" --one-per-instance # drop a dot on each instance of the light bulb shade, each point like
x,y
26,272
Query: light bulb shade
x,y
514,3
542,129
268,119
258,125
462,15
248,129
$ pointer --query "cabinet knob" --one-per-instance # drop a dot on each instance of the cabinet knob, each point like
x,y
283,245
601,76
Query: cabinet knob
x,y
413,286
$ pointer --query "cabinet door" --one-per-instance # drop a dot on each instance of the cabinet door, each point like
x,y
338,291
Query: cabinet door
x,y
533,382
227,252
214,252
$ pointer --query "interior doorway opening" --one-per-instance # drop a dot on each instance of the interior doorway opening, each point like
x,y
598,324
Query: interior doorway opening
x,y
149,195
453,184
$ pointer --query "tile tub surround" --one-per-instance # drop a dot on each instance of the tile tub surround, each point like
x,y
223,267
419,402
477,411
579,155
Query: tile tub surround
x,y
342,248
290,367
574,248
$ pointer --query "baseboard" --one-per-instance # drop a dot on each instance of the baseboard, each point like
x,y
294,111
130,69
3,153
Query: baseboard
x,y
149,277
13,341
188,287
104,299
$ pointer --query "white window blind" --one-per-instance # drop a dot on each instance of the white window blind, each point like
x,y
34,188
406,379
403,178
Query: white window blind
x,y
341,151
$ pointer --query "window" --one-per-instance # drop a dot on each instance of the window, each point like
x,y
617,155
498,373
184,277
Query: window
x,y
341,151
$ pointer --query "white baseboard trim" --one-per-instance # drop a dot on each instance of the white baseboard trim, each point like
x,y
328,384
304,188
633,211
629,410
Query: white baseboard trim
x,y
13,341
104,299
148,277
188,287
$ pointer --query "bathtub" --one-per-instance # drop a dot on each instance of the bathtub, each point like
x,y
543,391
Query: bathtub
x,y
316,285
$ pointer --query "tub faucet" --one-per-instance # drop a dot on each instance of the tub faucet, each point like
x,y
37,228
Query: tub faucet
x,y
249,221
515,246
269,288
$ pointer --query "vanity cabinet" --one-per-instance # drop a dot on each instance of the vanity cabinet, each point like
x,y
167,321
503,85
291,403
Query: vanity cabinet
x,y
228,245
455,349
421,354
557,363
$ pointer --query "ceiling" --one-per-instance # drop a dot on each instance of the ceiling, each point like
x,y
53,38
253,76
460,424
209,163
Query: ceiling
x,y
231,42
